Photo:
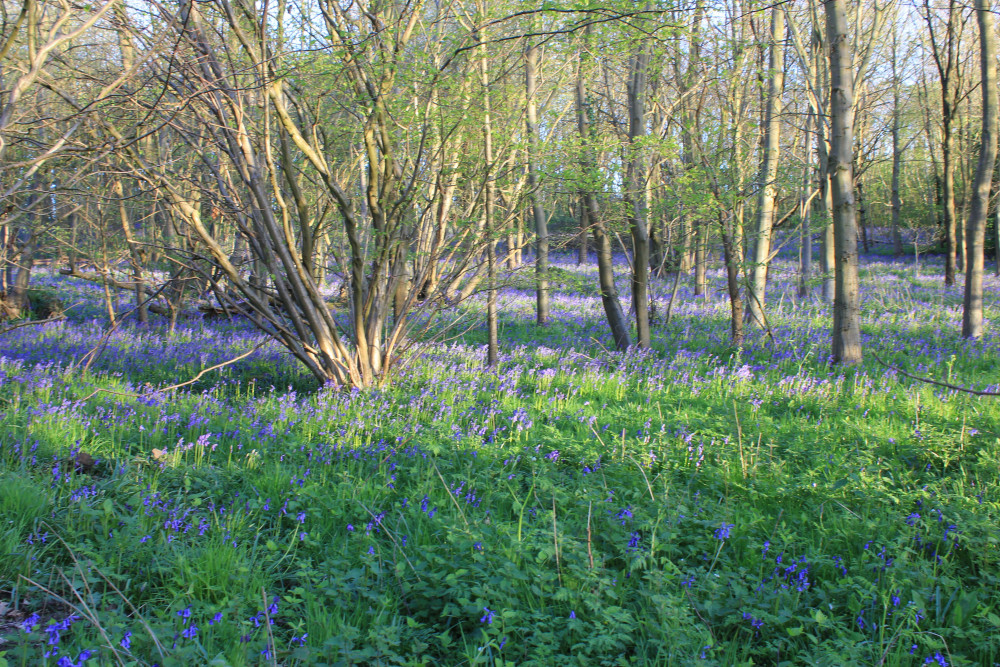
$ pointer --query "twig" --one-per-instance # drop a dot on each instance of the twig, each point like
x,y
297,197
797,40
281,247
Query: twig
x,y
673,295
267,624
555,540
182,384
648,485
448,491
29,323
947,385
135,612
393,538
590,554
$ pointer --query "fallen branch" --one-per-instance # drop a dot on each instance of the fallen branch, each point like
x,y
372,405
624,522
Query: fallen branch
x,y
181,384
29,323
947,385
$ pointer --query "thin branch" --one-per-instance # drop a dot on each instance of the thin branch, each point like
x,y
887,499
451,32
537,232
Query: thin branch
x,y
947,385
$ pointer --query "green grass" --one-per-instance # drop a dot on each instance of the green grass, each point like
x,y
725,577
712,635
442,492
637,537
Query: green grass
x,y
606,510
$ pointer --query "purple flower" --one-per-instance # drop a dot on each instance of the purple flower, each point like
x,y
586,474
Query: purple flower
x,y
723,532
30,623
126,642
487,616
190,632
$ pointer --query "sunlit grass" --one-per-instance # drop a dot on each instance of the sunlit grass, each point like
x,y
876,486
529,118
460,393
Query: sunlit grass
x,y
698,504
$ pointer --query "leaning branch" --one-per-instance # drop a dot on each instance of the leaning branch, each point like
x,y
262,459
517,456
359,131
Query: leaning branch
x,y
947,385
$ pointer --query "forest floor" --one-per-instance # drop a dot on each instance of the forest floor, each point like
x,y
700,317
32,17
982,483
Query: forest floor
x,y
692,505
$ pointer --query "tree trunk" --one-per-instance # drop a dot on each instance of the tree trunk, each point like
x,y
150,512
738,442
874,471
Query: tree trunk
x,y
134,251
946,71
996,239
805,209
768,170
602,241
847,301
25,263
897,150
972,313
636,203
862,215
897,155
541,225
489,192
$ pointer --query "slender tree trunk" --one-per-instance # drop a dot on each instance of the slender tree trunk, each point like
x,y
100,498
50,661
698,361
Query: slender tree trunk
x,y
25,263
996,239
636,177
897,157
489,193
768,170
946,71
731,251
581,248
27,244
862,214
699,224
602,241
805,209
828,264
135,255
897,148
972,313
541,226
847,299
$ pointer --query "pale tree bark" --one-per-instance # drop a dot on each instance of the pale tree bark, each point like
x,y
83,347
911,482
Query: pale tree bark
x,y
972,313
805,210
581,248
692,129
636,197
537,211
847,299
489,195
828,262
897,148
996,239
761,246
